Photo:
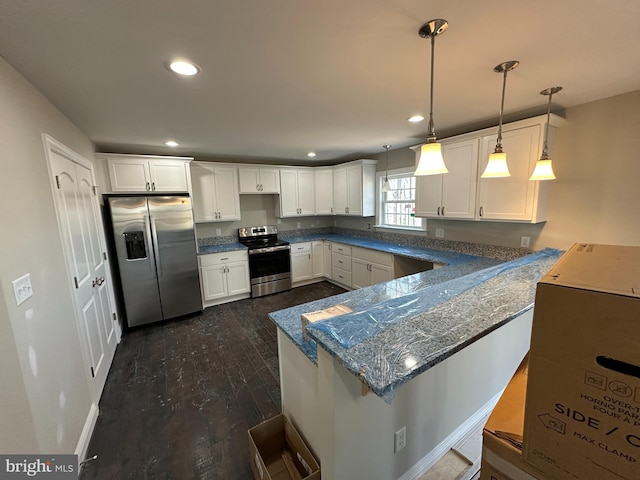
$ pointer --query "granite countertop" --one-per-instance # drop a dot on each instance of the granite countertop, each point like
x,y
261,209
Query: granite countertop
x,y
223,247
401,328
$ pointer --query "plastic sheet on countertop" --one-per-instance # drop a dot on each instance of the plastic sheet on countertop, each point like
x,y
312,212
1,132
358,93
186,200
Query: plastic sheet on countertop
x,y
353,328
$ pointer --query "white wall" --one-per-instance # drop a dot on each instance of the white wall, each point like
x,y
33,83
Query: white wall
x,y
44,393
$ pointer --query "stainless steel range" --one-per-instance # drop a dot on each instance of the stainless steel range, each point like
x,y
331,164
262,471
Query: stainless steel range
x,y
269,260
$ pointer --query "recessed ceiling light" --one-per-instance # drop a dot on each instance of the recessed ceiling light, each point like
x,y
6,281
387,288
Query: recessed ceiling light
x,y
171,143
311,154
182,67
415,119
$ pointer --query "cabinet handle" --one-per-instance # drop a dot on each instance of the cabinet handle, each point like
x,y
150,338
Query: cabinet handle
x,y
153,186
223,259
438,211
443,211
148,186
481,211
332,210
309,256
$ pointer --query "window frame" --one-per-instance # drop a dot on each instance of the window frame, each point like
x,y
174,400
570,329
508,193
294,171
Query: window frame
x,y
380,176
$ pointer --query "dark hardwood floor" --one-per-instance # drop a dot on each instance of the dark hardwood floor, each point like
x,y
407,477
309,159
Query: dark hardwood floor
x,y
181,396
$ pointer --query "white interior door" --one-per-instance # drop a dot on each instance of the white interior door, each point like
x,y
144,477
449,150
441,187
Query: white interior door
x,y
83,240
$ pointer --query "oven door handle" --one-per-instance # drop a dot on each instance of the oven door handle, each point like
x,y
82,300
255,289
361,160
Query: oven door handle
x,y
256,251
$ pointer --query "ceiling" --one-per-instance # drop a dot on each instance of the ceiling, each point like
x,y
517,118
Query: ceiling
x,y
281,78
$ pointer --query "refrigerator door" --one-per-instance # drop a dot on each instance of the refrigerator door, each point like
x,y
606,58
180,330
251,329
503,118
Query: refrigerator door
x,y
136,262
174,243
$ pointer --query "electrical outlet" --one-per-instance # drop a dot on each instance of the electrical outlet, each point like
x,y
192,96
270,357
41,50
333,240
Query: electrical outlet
x,y
298,225
400,439
22,288
439,232
218,232
524,242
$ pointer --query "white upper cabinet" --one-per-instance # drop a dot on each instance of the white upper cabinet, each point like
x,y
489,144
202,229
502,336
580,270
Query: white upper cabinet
x,y
215,192
452,195
462,193
324,190
297,192
513,198
255,179
147,173
354,188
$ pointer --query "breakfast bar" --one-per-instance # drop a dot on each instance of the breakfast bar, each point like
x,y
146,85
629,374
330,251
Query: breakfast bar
x,y
430,353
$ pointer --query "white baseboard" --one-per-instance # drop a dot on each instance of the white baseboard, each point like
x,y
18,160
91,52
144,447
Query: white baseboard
x,y
468,427
87,431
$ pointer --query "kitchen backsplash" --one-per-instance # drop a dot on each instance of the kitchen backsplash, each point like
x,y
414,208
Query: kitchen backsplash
x,y
490,251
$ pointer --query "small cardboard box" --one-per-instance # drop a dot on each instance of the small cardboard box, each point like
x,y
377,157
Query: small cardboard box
x,y
582,415
502,435
277,452
311,317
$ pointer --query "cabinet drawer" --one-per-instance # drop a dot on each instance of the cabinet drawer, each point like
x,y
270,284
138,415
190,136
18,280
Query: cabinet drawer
x,y
342,276
222,257
341,261
300,247
372,256
341,248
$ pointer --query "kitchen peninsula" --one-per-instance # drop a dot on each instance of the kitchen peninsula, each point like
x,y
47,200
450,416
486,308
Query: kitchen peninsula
x,y
430,352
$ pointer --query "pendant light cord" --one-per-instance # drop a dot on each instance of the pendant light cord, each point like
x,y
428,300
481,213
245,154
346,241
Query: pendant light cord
x,y
431,135
545,150
504,86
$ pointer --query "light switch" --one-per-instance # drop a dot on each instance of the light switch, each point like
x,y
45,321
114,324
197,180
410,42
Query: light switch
x,y
22,289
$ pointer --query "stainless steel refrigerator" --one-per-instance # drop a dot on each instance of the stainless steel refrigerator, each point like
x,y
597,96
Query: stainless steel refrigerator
x,y
155,243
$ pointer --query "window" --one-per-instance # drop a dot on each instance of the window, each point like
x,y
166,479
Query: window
x,y
397,207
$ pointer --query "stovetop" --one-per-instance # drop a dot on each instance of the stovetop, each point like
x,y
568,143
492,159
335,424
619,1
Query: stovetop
x,y
263,242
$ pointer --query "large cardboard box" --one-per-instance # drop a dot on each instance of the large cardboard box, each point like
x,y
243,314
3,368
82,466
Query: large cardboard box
x,y
582,416
502,435
277,452
318,315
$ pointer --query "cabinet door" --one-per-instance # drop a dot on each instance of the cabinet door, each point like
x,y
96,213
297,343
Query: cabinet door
x,y
459,185
214,282
306,192
249,180
317,256
354,189
380,273
360,275
324,191
510,198
238,278
202,184
129,175
168,175
301,266
288,193
340,197
269,180
429,195
225,187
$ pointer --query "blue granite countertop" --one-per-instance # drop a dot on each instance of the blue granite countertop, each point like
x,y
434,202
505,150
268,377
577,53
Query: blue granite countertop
x,y
436,256
223,247
401,328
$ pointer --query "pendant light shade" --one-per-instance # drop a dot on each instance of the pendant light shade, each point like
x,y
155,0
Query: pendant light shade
x,y
497,166
431,161
544,168
385,185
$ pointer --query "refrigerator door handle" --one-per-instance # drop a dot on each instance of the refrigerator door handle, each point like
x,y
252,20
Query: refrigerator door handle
x,y
150,255
156,249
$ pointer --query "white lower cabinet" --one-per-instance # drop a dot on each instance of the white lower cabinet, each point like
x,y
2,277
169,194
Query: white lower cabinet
x,y
369,267
326,260
301,262
317,256
341,264
224,277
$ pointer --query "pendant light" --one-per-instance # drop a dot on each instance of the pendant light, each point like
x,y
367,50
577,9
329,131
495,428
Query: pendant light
x,y
497,166
544,169
385,185
431,161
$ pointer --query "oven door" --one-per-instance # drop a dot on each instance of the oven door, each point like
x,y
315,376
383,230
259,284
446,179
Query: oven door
x,y
270,270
